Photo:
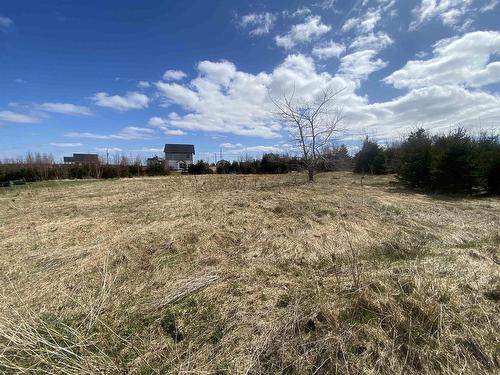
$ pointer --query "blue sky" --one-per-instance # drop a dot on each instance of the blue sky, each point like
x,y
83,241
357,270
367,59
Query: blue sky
x,y
129,76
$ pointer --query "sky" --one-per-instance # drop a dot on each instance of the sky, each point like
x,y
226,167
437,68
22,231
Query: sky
x,y
128,76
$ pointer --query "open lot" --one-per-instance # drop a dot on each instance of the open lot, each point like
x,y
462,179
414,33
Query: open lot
x,y
247,274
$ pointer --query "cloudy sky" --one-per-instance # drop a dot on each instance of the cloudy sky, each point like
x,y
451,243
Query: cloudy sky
x,y
129,76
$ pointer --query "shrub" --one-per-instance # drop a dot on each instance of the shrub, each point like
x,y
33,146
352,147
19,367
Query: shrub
x,y
450,163
415,155
201,167
370,159
223,167
453,169
335,159
274,163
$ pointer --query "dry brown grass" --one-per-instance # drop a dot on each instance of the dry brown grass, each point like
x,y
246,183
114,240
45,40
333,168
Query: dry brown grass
x,y
247,274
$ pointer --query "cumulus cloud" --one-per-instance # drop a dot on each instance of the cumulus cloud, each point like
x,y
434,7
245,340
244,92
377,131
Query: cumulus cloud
x,y
489,6
238,149
66,145
132,100
259,23
305,32
300,12
163,125
328,50
5,22
65,108
174,132
365,23
224,100
148,149
464,60
450,12
20,118
230,145
143,84
359,65
437,108
174,75
128,133
376,42
108,149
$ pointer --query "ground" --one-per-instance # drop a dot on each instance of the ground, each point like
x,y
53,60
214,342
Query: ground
x,y
247,274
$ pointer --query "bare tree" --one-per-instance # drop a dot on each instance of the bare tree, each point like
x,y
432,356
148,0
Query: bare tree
x,y
311,124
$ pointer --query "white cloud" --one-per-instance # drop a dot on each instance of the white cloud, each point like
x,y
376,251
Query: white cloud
x,y
5,22
224,100
450,12
465,60
489,6
20,118
66,145
132,100
371,41
148,149
259,23
65,108
174,75
301,12
128,133
143,84
305,32
438,108
20,81
163,124
328,50
326,4
363,24
174,132
255,150
108,149
157,121
230,145
359,65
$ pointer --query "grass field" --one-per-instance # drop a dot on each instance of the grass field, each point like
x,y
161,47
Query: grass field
x,y
247,274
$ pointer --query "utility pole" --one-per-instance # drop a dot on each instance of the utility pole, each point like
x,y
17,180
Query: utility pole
x,y
107,157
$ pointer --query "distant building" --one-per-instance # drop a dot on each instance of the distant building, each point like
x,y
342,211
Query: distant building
x,y
178,156
154,161
82,159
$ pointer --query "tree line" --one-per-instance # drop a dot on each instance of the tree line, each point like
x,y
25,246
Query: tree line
x,y
40,167
456,162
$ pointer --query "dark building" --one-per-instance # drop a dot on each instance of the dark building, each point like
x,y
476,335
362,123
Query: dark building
x,y
81,159
154,161
178,156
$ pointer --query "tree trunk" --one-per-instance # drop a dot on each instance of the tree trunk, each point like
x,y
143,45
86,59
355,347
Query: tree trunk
x,y
310,174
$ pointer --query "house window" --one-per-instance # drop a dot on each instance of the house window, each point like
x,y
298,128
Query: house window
x,y
187,156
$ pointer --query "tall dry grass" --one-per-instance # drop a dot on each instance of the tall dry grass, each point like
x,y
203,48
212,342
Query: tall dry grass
x,y
247,274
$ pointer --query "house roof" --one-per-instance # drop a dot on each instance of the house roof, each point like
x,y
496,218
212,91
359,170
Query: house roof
x,y
179,149
82,158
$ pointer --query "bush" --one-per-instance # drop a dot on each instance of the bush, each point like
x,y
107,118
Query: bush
x,y
274,163
201,167
223,167
370,159
488,162
453,164
109,171
415,155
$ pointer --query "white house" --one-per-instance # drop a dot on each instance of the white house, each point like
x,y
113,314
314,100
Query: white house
x,y
178,156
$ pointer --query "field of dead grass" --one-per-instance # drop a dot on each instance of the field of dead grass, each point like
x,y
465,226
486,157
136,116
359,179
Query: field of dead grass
x,y
247,274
